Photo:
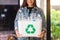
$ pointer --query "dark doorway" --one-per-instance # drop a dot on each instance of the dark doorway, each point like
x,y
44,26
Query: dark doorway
x,y
7,16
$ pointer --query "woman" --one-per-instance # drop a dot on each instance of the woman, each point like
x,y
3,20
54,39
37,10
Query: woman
x,y
27,9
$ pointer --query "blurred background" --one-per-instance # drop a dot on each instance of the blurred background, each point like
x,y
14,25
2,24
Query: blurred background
x,y
8,10
55,19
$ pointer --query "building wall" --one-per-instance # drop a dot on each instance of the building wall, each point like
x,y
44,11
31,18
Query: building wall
x,y
10,2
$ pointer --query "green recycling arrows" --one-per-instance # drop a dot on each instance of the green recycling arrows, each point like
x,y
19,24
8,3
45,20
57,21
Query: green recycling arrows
x,y
30,29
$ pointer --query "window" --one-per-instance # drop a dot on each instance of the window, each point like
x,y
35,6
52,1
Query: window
x,y
8,2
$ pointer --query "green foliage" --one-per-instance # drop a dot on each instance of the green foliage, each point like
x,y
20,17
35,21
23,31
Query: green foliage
x,y
55,23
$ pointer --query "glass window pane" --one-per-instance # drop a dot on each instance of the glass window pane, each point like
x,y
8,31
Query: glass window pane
x,y
8,2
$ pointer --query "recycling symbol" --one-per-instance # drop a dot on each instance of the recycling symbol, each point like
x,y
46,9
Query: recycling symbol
x,y
30,29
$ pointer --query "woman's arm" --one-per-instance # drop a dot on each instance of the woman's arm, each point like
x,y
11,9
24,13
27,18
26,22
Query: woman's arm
x,y
16,23
44,24
44,27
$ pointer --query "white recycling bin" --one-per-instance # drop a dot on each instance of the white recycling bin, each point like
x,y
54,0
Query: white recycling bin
x,y
29,28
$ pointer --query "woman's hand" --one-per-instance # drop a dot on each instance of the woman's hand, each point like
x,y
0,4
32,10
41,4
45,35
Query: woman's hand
x,y
42,34
18,35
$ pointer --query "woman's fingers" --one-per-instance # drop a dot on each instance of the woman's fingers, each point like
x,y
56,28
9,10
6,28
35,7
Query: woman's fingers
x,y
19,35
41,35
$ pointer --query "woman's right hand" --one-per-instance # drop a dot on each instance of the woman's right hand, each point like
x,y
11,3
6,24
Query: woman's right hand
x,y
18,34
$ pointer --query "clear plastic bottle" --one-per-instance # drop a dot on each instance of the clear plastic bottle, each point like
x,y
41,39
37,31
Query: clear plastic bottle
x,y
20,16
33,16
39,18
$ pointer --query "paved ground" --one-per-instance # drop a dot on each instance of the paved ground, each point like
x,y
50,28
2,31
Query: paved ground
x,y
4,34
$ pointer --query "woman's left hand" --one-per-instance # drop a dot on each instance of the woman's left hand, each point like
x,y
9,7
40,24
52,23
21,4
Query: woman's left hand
x,y
42,34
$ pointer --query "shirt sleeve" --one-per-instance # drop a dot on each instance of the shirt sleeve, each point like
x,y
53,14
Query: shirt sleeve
x,y
44,24
16,20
